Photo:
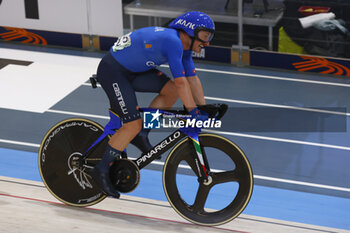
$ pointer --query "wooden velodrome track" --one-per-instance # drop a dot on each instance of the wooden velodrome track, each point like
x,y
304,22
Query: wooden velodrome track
x,y
26,206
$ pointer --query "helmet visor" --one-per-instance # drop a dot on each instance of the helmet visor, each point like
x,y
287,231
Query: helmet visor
x,y
204,36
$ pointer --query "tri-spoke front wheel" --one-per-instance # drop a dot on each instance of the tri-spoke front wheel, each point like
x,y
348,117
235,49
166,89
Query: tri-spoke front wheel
x,y
228,190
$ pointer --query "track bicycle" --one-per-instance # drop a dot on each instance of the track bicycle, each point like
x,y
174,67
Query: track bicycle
x,y
74,146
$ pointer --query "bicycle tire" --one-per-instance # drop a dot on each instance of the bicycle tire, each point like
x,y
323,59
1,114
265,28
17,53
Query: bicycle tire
x,y
196,212
68,139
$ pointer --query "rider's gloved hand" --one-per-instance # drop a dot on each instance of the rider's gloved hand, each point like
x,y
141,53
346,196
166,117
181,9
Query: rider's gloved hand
x,y
199,114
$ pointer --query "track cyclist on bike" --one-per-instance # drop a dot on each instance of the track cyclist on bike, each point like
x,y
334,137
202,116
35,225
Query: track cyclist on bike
x,y
131,65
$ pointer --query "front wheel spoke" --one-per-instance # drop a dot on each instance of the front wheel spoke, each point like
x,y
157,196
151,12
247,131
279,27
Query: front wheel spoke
x,y
201,198
223,177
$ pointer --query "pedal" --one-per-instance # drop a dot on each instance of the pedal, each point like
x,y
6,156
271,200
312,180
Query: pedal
x,y
93,81
124,175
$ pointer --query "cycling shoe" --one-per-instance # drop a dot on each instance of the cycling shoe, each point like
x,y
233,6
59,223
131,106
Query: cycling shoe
x,y
103,181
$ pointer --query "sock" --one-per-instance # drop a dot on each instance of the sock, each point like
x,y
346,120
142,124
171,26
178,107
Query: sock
x,y
109,156
141,141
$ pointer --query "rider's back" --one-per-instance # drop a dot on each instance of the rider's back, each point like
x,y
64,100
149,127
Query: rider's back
x,y
149,47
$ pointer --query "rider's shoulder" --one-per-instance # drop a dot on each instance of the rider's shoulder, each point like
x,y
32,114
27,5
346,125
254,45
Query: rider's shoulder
x,y
171,35
162,34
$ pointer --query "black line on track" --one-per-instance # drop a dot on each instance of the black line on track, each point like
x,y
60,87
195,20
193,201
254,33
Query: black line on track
x,y
160,205
22,183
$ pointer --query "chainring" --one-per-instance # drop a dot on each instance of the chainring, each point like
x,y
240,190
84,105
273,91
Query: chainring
x,y
124,175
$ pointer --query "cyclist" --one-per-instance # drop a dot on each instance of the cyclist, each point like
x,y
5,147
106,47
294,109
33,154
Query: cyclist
x,y
130,66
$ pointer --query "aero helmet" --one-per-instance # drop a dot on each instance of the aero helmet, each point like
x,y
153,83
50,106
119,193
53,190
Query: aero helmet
x,y
192,23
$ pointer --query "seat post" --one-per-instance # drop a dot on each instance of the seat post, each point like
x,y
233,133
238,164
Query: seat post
x,y
93,81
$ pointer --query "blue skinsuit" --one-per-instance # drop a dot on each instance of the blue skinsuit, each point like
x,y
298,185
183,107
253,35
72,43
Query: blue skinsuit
x,y
131,66
151,47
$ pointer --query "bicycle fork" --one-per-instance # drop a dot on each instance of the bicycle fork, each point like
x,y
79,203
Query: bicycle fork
x,y
201,160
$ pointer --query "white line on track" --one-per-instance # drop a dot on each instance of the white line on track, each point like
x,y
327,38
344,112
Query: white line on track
x,y
277,139
266,77
302,183
20,143
188,167
270,77
265,104
276,106
279,180
78,114
225,133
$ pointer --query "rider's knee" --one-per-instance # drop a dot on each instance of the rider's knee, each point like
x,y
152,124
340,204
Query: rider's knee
x,y
133,127
170,90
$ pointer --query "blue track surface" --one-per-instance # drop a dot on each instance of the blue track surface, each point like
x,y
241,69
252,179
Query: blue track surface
x,y
268,202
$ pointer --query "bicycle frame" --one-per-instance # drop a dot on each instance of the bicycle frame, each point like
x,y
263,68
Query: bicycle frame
x,y
167,143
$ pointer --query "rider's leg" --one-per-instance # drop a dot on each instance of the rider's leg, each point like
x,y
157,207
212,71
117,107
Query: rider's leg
x,y
116,145
154,81
121,139
116,82
166,98
100,173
